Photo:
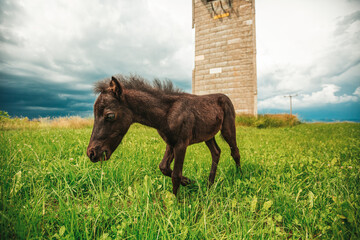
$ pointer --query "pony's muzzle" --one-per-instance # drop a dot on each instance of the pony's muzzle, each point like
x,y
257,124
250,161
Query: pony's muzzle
x,y
96,154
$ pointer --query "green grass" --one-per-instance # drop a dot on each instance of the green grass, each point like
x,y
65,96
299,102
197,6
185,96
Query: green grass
x,y
299,182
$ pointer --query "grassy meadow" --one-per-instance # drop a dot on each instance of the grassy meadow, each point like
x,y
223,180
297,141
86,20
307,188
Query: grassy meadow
x,y
300,182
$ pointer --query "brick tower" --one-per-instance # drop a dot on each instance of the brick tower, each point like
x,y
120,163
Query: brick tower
x,y
225,51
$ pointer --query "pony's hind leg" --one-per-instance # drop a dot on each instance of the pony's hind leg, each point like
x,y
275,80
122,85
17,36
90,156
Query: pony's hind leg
x,y
166,162
229,133
215,154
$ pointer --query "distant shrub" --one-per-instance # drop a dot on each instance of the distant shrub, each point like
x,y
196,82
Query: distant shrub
x,y
267,120
4,115
245,120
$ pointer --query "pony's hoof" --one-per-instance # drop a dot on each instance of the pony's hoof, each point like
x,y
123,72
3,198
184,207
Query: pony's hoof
x,y
238,170
185,181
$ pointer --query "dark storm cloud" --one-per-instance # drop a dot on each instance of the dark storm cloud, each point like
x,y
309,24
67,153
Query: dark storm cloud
x,y
22,96
52,52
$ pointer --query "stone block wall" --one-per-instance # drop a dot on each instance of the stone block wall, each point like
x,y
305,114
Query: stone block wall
x,y
225,51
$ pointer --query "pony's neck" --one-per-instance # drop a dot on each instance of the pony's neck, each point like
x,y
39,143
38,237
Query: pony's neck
x,y
148,109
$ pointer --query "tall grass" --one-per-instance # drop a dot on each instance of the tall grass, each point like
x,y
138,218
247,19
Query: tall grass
x,y
299,182
76,122
73,122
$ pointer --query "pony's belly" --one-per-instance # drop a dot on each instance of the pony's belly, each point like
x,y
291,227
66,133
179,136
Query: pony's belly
x,y
202,136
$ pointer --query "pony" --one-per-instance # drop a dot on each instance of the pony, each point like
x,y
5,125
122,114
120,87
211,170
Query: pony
x,y
181,119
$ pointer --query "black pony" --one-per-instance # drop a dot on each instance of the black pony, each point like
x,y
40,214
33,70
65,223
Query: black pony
x,y
180,118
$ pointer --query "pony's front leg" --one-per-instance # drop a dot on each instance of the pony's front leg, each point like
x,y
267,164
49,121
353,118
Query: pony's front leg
x,y
166,161
176,176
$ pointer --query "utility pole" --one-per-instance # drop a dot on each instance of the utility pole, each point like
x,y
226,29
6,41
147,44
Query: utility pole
x,y
291,96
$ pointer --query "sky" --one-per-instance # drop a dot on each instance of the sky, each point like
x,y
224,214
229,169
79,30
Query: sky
x,y
52,52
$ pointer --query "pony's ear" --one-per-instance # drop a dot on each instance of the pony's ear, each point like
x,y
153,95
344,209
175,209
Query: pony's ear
x,y
115,87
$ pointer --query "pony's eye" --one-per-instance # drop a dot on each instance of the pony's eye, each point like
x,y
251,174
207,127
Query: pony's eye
x,y
110,116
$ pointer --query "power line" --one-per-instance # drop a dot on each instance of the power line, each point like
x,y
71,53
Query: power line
x,y
291,96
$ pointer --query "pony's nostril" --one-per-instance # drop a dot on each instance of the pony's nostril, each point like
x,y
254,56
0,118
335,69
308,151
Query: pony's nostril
x,y
91,154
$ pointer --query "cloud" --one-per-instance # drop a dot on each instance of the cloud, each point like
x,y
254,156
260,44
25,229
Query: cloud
x,y
25,96
53,51
327,95
357,92
314,53
84,41
346,22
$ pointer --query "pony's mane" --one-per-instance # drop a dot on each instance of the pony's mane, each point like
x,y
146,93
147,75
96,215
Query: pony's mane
x,y
139,83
